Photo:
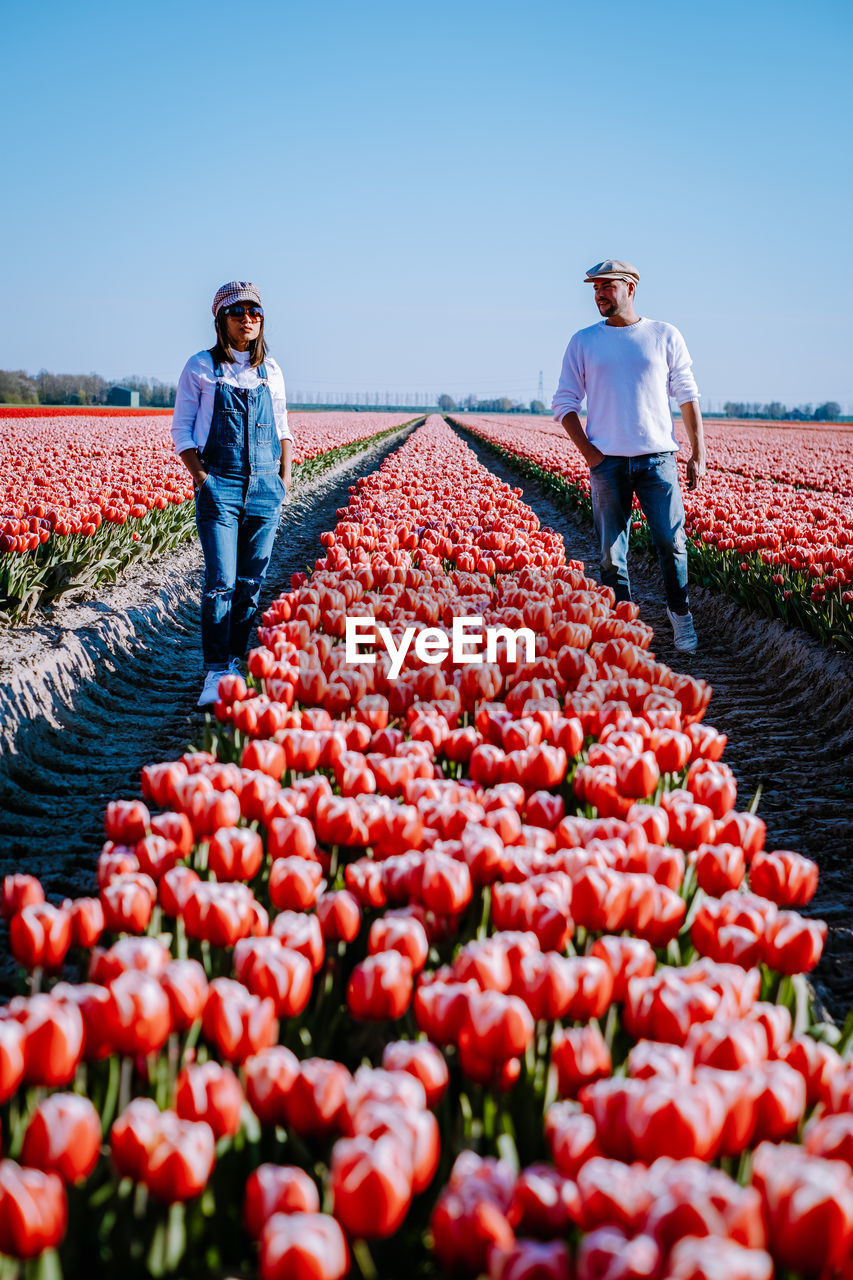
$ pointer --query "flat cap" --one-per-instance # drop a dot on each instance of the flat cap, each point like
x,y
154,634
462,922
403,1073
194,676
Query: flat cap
x,y
612,269
235,291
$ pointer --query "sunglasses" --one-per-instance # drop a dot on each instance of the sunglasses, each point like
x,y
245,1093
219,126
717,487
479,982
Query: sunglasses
x,y
238,311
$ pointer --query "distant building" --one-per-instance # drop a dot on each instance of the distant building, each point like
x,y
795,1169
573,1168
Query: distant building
x,y
123,396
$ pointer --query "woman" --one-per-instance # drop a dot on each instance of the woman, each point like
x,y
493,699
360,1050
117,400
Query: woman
x,y
230,429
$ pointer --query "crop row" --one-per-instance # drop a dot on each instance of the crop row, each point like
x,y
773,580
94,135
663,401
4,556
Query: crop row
x,y
776,545
81,497
475,970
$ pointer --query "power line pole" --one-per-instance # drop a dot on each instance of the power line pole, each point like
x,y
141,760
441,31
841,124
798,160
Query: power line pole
x,y
540,395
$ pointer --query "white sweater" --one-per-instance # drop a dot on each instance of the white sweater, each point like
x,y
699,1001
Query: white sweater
x,y
193,411
627,374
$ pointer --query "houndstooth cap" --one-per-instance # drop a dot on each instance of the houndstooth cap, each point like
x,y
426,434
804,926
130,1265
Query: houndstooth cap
x,y
235,291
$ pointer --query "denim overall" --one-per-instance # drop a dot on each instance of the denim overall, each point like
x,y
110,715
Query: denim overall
x,y
237,513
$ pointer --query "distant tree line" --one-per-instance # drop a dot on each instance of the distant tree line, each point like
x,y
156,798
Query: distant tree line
x,y
502,405
776,412
17,387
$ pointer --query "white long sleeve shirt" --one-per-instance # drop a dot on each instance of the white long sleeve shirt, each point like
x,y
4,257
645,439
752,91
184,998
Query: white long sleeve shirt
x,y
627,374
193,411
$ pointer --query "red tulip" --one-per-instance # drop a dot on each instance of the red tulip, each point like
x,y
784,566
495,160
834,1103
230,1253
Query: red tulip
x,y
808,1206
780,1101
185,984
371,1185
19,891
220,914
87,921
144,955
500,1026
315,1100
269,969
531,1260
236,1022
269,1076
612,1194
207,1091
831,1137
143,1017
176,828
63,1136
580,1056
785,878
637,776
175,888
128,901
698,1259
380,986
126,821
608,1253
339,915
626,958
422,1060
819,1064
53,1038
445,885
156,855
276,1188
543,1202
295,883
33,1210
793,944
301,933
572,1137
744,829
172,1157
11,1058
40,935
470,1217
303,1246
235,853
400,933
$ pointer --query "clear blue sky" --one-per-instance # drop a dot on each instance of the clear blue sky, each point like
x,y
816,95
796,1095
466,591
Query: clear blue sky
x,y
418,189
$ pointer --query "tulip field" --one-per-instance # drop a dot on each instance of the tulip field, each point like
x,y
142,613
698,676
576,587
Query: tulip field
x,y
771,524
81,496
479,971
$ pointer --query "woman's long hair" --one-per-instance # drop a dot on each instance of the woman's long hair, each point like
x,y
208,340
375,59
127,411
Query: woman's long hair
x,y
222,353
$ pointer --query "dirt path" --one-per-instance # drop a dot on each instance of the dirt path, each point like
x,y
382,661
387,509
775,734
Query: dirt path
x,y
786,704
110,684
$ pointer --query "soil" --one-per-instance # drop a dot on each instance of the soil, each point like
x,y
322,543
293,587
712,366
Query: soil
x,y
108,684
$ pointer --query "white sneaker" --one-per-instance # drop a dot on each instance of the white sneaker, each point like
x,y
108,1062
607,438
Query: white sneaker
x,y
209,690
235,665
684,631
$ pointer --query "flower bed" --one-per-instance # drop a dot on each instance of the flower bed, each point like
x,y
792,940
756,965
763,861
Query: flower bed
x,y
82,496
757,527
478,970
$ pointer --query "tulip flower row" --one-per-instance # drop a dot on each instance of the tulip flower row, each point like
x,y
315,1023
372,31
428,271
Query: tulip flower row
x,y
773,534
81,497
482,959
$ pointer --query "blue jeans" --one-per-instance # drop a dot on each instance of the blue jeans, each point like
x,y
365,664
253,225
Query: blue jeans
x,y
237,520
654,479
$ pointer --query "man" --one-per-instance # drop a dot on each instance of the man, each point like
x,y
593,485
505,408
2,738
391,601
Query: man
x,y
627,367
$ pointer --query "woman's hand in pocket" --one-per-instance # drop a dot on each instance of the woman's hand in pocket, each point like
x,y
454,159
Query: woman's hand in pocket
x,y
594,457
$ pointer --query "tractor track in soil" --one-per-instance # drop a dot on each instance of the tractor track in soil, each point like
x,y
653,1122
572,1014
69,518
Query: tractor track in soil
x,y
110,684
786,704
